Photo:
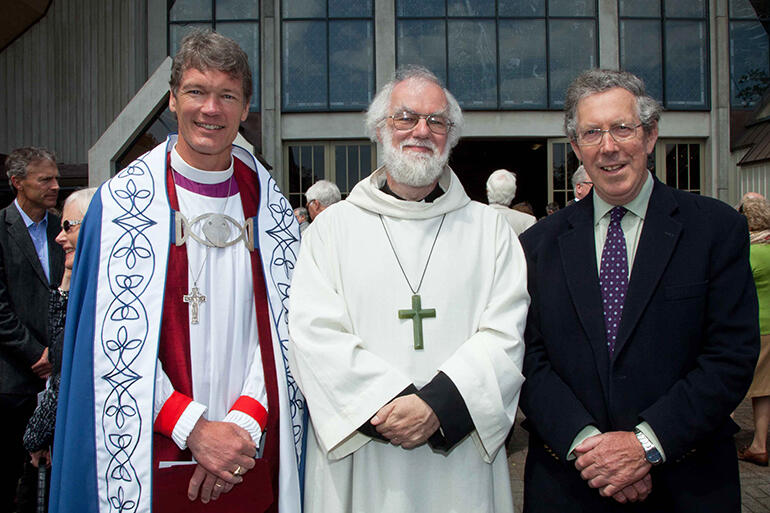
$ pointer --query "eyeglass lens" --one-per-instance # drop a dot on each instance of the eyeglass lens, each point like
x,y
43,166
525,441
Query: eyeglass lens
x,y
408,120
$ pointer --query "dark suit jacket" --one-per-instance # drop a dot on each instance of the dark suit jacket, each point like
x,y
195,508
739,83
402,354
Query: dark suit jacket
x,y
684,358
24,293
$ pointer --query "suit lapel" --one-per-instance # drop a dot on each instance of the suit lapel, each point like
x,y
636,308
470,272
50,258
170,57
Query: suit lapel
x,y
660,234
17,230
578,256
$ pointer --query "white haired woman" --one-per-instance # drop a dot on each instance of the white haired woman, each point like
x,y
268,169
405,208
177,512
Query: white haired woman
x,y
38,436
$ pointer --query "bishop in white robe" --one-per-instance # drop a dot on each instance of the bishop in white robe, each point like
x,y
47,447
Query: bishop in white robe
x,y
394,298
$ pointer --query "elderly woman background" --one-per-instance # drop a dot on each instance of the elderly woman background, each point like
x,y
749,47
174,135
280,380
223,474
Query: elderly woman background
x,y
757,212
39,434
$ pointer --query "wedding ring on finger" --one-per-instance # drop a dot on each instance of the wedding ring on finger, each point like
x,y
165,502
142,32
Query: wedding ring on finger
x,y
218,484
238,471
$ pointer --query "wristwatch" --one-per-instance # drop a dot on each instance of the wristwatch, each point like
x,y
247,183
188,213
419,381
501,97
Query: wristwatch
x,y
651,453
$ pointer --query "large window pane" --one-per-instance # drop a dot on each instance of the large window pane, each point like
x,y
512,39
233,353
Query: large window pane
x,y
351,64
471,8
571,7
412,9
472,63
749,9
573,50
749,59
190,10
237,9
304,9
304,65
523,68
350,8
423,42
521,8
247,36
641,53
639,8
686,64
178,31
685,8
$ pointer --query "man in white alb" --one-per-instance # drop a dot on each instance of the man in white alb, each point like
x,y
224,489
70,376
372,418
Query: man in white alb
x,y
175,386
408,305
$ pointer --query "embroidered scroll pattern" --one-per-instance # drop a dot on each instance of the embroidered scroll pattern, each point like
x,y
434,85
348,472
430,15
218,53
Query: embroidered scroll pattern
x,y
282,261
130,268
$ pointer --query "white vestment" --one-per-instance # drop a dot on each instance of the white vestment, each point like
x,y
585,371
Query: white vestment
x,y
519,221
224,346
351,354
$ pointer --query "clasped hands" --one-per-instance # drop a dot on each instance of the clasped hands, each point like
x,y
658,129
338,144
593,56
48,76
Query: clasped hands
x,y
614,463
224,452
407,421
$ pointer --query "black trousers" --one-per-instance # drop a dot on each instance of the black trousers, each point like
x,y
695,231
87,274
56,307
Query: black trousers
x,y
15,411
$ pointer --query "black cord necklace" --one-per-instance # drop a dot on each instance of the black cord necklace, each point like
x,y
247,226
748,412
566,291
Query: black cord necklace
x,y
417,313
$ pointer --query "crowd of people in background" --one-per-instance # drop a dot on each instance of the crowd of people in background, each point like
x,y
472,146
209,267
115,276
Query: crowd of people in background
x,y
179,336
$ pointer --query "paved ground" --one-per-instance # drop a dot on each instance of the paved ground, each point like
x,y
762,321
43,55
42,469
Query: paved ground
x,y
755,480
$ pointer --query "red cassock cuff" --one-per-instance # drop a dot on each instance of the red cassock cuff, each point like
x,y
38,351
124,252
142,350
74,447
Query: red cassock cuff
x,y
169,414
252,408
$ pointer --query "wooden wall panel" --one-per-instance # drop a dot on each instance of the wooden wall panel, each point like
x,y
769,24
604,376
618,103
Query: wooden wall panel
x,y
68,77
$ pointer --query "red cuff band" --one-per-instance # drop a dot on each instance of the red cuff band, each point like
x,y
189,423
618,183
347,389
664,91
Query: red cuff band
x,y
252,408
169,414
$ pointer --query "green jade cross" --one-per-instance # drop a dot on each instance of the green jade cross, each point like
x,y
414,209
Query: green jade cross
x,y
417,314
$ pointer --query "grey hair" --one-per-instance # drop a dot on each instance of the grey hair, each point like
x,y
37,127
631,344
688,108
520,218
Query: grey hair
x,y
324,191
579,176
378,109
501,187
301,211
17,161
204,50
81,198
599,80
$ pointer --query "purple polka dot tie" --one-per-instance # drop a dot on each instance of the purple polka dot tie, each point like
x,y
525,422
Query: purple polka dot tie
x,y
613,276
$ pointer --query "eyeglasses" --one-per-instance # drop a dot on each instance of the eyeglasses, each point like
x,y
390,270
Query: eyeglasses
x,y
619,133
406,120
67,224
585,183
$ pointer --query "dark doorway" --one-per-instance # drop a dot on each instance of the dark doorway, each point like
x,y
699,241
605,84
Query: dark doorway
x,y
475,159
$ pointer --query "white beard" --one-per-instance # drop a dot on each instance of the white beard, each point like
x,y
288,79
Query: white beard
x,y
413,169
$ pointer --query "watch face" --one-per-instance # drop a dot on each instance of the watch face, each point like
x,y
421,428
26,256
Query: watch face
x,y
653,456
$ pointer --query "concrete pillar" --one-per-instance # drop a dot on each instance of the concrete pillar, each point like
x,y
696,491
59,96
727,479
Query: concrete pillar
x,y
609,55
270,76
723,174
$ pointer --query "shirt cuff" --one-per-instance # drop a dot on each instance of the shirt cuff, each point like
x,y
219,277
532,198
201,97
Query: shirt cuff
x,y
646,429
448,404
186,423
247,422
368,429
583,434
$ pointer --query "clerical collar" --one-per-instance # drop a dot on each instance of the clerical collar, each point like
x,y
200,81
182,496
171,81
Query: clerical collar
x,y
435,194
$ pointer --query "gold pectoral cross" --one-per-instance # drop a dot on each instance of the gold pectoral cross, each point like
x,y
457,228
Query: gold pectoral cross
x,y
194,299
417,314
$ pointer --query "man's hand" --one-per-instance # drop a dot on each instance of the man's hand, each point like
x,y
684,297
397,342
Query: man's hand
x,y
42,367
611,461
41,456
407,421
210,486
222,448
635,492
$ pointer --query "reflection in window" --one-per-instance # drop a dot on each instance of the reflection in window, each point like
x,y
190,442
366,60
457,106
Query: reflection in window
x,y
565,163
236,19
683,166
327,55
499,59
749,52
676,74
344,163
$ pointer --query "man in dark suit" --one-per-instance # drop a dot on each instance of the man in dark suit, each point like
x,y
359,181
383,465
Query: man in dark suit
x,y
642,333
31,262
